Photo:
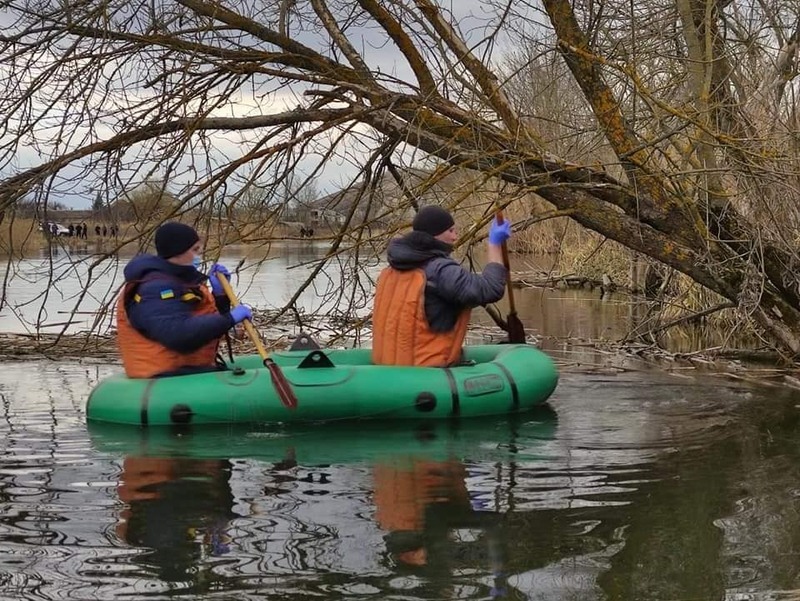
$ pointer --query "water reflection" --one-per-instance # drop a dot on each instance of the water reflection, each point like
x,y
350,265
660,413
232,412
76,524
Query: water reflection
x,y
434,528
300,485
645,486
178,510
416,503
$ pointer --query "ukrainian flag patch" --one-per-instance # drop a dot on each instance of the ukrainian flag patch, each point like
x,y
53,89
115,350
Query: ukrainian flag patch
x,y
165,294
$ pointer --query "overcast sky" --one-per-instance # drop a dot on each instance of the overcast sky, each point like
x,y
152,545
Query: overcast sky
x,y
473,17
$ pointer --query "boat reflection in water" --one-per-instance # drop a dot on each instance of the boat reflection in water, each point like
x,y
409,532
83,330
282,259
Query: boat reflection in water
x,y
428,490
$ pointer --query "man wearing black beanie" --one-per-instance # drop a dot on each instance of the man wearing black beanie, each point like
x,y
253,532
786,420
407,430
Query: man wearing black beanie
x,y
168,321
424,298
173,239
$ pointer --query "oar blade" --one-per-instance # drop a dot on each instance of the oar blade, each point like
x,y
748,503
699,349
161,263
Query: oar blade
x,y
281,384
516,331
279,381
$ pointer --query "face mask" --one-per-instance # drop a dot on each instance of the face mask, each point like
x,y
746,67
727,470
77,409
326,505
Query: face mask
x,y
197,261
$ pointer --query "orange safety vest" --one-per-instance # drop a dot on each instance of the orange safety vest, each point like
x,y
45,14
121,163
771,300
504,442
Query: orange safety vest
x,y
400,331
145,358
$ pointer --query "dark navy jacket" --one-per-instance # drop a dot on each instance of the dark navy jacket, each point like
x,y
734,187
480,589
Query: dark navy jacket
x,y
171,321
449,287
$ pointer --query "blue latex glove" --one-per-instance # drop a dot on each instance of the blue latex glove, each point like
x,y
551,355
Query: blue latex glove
x,y
499,232
240,313
216,287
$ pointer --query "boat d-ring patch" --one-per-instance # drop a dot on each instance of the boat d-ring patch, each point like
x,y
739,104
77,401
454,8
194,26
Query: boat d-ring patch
x,y
425,402
181,414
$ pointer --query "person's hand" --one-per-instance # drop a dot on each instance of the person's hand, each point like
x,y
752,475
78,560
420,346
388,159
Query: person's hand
x,y
216,286
499,232
241,312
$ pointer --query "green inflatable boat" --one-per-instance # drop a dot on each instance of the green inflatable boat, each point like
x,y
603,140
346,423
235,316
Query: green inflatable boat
x,y
519,436
332,385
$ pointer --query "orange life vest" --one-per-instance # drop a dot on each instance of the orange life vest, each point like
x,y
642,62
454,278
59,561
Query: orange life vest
x,y
400,331
145,358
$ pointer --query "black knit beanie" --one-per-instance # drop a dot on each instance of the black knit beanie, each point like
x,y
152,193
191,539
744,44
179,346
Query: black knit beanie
x,y
432,220
174,239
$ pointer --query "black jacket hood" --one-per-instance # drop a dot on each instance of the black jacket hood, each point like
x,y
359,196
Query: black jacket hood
x,y
413,250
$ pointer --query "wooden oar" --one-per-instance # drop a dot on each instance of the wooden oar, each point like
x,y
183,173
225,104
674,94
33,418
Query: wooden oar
x,y
279,381
516,331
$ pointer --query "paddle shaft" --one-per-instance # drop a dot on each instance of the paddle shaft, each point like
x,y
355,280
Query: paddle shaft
x,y
248,325
504,249
515,329
279,381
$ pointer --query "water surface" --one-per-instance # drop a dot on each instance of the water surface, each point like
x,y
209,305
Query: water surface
x,y
628,485
637,485
67,291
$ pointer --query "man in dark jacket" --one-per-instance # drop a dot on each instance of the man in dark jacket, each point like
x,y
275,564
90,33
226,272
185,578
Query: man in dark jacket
x,y
423,299
168,322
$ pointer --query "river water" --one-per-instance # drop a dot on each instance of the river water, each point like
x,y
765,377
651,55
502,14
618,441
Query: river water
x,y
67,291
628,484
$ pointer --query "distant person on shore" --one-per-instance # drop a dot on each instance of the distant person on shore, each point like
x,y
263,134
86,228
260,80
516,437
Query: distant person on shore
x,y
97,230
105,231
168,321
424,298
84,231
71,229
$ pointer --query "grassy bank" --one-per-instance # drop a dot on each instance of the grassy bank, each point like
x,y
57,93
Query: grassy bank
x,y
566,248
22,237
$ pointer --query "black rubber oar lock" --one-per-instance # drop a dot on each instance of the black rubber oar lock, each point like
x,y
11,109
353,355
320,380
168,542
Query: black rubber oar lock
x,y
315,359
304,342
